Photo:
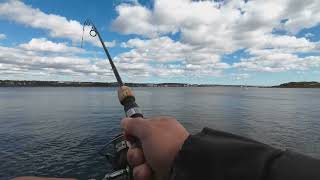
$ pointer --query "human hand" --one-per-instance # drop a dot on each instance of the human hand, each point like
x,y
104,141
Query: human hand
x,y
161,138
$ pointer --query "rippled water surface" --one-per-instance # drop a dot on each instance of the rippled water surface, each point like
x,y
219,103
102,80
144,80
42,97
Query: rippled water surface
x,y
59,131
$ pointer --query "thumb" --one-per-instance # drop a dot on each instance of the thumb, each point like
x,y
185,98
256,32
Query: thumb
x,y
136,127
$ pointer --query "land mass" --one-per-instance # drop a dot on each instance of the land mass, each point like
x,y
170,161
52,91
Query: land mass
x,y
17,83
305,84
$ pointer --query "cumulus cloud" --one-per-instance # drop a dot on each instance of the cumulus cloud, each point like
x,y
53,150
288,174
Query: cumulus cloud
x,y
17,60
23,61
240,76
230,26
109,44
164,49
172,57
176,38
3,36
210,29
172,16
301,14
161,49
277,62
44,45
58,26
308,35
134,19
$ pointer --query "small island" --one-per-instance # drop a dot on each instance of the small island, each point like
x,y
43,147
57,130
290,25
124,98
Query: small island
x,y
306,84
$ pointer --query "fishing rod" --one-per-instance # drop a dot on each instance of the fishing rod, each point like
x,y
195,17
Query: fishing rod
x,y
119,146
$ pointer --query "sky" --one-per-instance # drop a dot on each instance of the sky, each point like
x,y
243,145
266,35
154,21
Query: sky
x,y
261,42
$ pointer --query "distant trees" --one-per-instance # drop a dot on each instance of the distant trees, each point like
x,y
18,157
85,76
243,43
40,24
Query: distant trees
x,y
310,84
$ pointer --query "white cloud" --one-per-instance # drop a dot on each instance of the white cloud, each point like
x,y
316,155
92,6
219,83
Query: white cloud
x,y
58,26
277,62
182,59
20,60
110,44
164,49
231,16
161,49
240,76
283,43
209,29
27,62
204,32
301,14
133,19
308,35
44,45
2,36
226,28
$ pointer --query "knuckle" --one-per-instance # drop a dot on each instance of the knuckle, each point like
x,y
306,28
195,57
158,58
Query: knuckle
x,y
136,173
135,156
130,156
141,172
166,119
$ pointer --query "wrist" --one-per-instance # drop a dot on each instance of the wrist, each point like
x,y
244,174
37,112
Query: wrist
x,y
173,167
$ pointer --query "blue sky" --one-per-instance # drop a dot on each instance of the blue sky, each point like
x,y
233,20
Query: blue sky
x,y
207,42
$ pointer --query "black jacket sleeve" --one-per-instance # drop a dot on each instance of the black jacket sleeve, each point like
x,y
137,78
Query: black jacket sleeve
x,y
216,155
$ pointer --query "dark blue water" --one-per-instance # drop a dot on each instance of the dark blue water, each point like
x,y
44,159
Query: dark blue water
x,y
59,131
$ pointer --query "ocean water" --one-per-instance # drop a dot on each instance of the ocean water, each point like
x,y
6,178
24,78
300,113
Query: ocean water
x,y
59,131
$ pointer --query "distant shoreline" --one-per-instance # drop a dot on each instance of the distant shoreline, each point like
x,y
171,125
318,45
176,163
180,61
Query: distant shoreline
x,y
14,83
18,83
304,84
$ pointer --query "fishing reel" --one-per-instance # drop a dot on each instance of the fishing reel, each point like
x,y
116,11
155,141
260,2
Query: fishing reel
x,y
116,153
116,150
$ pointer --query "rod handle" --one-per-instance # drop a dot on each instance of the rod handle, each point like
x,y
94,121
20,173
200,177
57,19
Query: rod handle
x,y
127,99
